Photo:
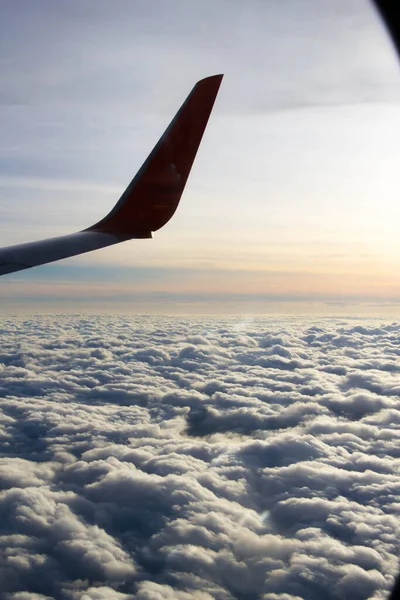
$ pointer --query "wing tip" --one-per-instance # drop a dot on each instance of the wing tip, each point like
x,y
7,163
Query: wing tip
x,y
151,199
211,79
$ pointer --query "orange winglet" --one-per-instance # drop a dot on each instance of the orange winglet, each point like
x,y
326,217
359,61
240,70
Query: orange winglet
x,y
153,195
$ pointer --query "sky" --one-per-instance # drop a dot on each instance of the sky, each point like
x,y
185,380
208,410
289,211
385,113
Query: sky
x,y
292,203
149,458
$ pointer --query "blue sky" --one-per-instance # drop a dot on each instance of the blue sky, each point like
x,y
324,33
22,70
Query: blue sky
x,y
293,197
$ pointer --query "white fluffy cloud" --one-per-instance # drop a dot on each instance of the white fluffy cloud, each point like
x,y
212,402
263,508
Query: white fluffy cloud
x,y
175,458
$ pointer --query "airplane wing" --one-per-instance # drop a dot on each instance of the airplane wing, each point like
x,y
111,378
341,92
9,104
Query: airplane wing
x,y
149,201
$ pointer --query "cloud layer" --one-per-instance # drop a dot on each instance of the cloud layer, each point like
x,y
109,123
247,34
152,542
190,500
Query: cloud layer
x,y
178,458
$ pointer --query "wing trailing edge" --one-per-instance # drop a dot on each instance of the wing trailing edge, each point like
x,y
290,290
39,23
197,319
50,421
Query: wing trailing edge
x,y
149,201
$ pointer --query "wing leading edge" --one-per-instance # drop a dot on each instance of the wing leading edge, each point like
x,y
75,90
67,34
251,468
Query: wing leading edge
x,y
149,201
